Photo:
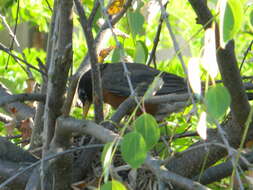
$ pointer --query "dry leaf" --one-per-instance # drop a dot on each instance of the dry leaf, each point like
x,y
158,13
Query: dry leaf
x,y
249,144
30,85
10,127
104,53
115,7
26,129
79,185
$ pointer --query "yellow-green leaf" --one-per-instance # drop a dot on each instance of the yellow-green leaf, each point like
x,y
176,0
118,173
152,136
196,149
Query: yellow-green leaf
x,y
231,16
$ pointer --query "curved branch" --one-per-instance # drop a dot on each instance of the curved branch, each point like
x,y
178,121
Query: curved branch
x,y
223,170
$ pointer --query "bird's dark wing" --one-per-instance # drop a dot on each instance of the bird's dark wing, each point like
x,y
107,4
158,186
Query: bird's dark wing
x,y
115,81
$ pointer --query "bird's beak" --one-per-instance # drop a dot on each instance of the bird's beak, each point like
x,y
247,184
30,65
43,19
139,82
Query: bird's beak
x,y
86,107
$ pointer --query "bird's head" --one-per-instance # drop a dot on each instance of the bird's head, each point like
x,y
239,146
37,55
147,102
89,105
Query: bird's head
x,y
85,92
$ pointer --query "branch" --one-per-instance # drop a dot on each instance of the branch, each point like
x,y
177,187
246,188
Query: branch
x,y
223,170
59,66
36,139
232,80
194,159
95,71
6,50
156,40
13,35
34,164
71,125
228,66
168,104
21,110
7,169
5,118
21,98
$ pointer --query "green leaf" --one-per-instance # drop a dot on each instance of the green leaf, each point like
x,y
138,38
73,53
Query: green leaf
x,y
251,19
133,149
231,16
147,126
141,52
116,55
113,185
136,21
217,100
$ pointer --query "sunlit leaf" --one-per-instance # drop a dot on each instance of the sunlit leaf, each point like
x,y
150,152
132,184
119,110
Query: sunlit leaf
x,y
115,7
209,61
251,19
194,75
217,100
113,185
133,149
141,52
116,55
231,15
136,21
147,126
154,87
202,126
106,159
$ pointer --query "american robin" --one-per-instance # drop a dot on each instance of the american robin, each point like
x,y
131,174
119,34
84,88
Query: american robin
x,y
116,88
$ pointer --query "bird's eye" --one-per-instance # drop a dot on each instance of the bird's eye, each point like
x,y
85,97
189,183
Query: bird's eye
x,y
82,95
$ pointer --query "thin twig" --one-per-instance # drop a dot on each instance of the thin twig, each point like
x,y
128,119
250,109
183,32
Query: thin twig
x,y
6,50
245,55
15,30
165,16
48,5
156,40
17,43
93,13
126,71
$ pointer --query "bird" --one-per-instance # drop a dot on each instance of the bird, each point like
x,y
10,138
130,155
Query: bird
x,y
115,86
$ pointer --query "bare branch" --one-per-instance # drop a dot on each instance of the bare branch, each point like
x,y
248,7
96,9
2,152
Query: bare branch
x,y
22,111
36,139
169,103
21,98
222,170
71,125
156,41
95,71
59,66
